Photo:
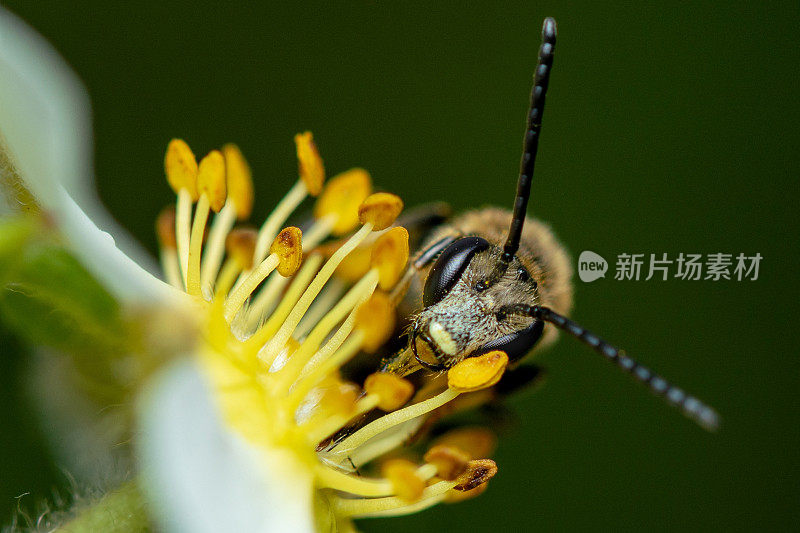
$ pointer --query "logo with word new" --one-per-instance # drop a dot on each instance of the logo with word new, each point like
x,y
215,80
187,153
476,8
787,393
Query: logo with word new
x,y
591,266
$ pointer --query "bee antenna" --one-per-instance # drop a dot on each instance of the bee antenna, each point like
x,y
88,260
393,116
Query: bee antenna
x,y
531,141
693,408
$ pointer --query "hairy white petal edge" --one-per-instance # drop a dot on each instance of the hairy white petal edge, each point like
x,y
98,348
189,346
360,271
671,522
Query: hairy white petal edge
x,y
200,476
46,130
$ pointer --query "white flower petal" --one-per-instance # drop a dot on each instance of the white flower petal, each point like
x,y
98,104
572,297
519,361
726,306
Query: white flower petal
x,y
46,129
201,477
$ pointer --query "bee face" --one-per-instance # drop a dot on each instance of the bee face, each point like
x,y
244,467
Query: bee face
x,y
468,317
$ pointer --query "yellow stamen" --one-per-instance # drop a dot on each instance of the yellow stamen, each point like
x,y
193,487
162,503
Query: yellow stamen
x,y
402,474
230,270
391,506
240,245
309,163
354,297
323,303
355,265
237,298
476,373
183,229
366,487
180,166
269,230
286,255
392,419
282,335
296,289
376,318
478,472
240,181
476,441
196,245
272,290
390,256
342,197
382,444
381,209
211,188
450,462
215,246
392,390
211,179
288,248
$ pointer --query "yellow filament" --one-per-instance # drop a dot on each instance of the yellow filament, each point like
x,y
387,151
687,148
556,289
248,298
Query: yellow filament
x,y
391,506
383,444
296,289
196,245
331,294
226,278
215,247
275,221
392,419
361,486
241,293
279,340
183,222
360,292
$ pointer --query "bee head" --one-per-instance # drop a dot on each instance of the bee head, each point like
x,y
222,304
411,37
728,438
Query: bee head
x,y
464,301
472,281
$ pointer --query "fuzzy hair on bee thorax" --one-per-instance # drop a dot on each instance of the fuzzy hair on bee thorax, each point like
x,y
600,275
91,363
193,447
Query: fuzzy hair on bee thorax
x,y
467,318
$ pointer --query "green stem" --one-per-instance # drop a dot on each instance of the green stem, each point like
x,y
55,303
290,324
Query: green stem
x,y
122,510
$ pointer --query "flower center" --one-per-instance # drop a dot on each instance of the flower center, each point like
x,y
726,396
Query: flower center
x,y
284,312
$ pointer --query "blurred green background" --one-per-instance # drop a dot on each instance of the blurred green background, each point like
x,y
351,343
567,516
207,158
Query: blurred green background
x,y
668,129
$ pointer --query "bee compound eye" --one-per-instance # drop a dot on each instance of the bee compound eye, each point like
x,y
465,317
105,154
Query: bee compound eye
x,y
516,345
449,267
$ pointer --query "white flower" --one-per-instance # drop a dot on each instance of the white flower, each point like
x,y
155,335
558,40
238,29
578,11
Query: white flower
x,y
238,434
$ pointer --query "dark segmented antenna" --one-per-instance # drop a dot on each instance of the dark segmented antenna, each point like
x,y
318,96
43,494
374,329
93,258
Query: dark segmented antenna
x,y
531,142
693,408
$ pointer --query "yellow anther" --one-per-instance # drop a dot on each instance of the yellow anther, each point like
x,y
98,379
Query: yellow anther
x,y
342,196
165,228
240,244
450,462
240,180
309,163
403,475
355,265
381,209
376,318
288,246
477,473
211,179
476,373
389,256
476,441
392,390
180,166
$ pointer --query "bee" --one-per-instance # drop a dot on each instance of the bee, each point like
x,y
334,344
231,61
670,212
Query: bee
x,y
494,279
